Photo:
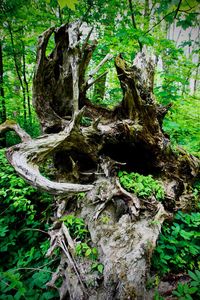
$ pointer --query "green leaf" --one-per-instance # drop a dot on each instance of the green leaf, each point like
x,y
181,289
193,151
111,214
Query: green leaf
x,y
100,268
88,252
193,290
68,3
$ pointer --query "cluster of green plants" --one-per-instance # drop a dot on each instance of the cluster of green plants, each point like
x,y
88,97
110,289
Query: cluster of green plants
x,y
24,270
182,124
178,246
142,186
191,290
76,226
80,234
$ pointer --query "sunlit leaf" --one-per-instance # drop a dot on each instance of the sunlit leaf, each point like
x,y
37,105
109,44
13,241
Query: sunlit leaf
x,y
68,3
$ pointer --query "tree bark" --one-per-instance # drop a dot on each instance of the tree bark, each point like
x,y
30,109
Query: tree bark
x,y
129,137
26,83
3,103
99,89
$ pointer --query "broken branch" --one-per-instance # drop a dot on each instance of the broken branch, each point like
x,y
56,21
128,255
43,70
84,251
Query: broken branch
x,y
106,58
12,125
92,81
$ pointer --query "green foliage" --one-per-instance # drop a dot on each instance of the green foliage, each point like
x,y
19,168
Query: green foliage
x,y
69,3
184,291
76,226
85,121
157,296
79,232
178,246
182,124
195,279
23,268
97,267
63,3
142,186
83,249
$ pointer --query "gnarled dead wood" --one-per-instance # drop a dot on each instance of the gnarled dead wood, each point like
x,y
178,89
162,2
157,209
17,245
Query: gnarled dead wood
x,y
128,137
12,125
26,157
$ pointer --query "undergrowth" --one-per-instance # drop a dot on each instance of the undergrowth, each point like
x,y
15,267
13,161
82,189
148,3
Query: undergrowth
x,y
24,270
142,186
80,235
178,247
182,124
178,250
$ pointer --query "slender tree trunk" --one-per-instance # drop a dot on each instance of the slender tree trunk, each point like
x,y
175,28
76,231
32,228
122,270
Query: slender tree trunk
x,y
196,80
133,21
60,15
26,83
2,95
196,75
146,15
18,71
99,89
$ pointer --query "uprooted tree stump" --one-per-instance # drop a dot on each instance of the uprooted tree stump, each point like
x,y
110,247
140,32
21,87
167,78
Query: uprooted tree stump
x,y
86,159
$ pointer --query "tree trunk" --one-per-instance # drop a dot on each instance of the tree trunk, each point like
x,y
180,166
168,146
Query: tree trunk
x,y
26,83
196,75
18,71
99,89
2,95
122,226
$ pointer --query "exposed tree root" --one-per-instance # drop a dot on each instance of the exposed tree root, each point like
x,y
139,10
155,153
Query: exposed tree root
x,y
123,227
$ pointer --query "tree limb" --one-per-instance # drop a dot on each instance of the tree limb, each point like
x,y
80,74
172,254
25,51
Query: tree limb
x,y
12,125
87,40
106,58
133,21
171,12
177,10
26,157
92,81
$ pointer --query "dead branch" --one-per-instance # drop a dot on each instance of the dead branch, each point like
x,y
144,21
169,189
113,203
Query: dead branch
x,y
92,81
12,125
98,67
26,157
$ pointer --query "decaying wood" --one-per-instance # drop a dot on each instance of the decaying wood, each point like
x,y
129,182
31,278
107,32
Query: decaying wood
x,y
130,137
26,157
12,125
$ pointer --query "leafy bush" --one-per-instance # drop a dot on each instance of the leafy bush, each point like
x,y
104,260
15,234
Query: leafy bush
x,y
182,124
178,247
24,270
142,186
184,291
